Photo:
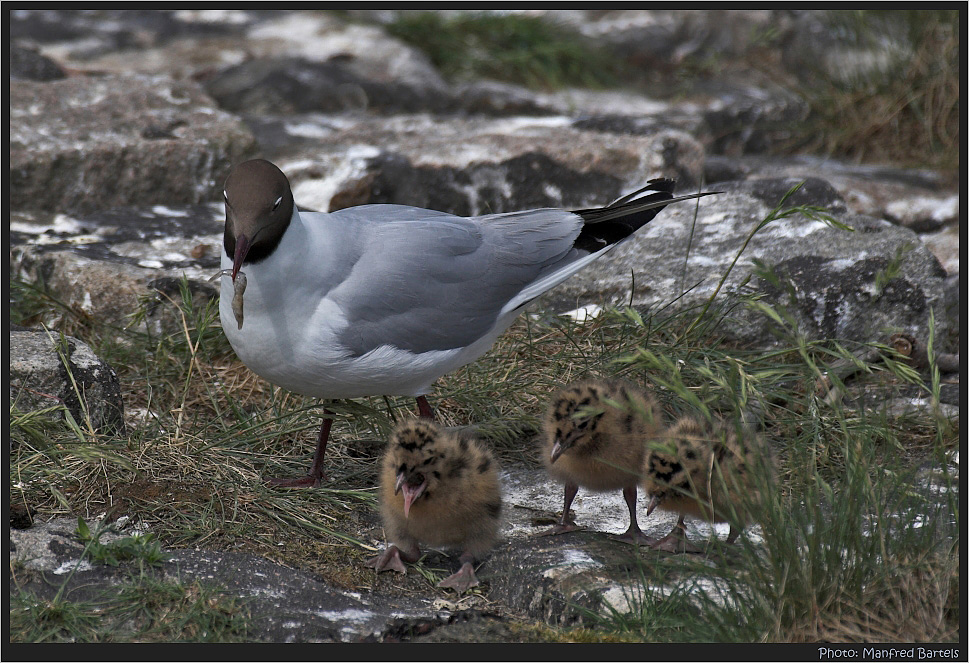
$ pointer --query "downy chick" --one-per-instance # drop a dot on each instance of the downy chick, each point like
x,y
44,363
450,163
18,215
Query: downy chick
x,y
441,489
707,471
596,432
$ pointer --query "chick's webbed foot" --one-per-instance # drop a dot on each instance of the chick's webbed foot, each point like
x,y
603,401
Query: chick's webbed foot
x,y
561,528
675,542
633,534
635,537
391,559
461,581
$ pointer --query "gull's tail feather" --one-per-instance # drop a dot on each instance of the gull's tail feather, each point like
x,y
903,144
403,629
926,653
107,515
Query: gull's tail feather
x,y
609,225
604,229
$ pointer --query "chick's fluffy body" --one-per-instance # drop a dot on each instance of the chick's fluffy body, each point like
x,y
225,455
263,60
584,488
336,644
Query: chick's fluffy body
x,y
604,451
706,470
461,505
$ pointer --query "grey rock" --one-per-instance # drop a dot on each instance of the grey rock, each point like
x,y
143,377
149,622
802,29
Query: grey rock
x,y
297,85
771,191
828,279
284,605
477,165
323,36
729,117
953,310
891,181
46,371
749,119
830,48
87,34
28,64
105,264
944,244
924,213
925,201
719,168
497,99
295,62
575,576
572,576
85,143
658,42
505,186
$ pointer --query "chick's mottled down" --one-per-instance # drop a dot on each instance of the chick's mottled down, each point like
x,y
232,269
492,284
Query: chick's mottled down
x,y
595,436
440,489
706,470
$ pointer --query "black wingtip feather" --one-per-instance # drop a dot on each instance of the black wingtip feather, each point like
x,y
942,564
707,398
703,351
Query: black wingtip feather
x,y
605,226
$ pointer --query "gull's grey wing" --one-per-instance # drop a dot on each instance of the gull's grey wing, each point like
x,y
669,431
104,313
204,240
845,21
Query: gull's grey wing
x,y
432,281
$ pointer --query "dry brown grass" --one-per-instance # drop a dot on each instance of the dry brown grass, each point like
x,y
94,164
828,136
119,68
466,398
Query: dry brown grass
x,y
908,116
916,603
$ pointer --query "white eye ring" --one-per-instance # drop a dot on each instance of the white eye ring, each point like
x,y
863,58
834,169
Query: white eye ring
x,y
225,195
276,204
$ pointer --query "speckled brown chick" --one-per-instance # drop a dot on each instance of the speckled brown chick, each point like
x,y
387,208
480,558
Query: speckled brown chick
x,y
707,471
437,488
595,436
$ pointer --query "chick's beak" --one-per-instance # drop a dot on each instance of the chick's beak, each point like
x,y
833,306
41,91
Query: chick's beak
x,y
563,444
411,492
557,450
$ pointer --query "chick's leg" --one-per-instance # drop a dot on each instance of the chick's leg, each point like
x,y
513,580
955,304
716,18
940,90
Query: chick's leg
x,y
393,558
633,535
566,524
464,579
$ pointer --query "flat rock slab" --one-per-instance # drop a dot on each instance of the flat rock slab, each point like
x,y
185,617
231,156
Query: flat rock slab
x,y
566,577
922,200
859,285
105,263
561,580
469,165
574,576
84,143
284,605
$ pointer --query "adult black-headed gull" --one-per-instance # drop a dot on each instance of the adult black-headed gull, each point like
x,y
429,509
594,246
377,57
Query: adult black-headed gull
x,y
385,299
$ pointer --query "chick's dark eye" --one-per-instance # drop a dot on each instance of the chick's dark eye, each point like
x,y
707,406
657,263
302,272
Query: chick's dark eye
x,y
276,204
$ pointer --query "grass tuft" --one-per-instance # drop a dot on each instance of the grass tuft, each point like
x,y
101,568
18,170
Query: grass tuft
x,y
519,49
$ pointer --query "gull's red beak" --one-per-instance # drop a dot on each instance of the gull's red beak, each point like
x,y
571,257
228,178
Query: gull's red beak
x,y
242,248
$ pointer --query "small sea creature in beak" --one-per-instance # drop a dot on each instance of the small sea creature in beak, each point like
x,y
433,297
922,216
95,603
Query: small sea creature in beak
x,y
239,289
